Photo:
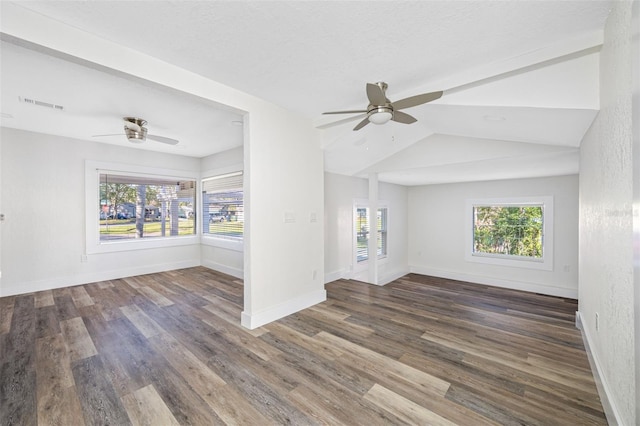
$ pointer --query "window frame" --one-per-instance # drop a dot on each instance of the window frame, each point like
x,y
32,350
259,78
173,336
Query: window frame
x,y
385,230
227,243
93,170
543,263
356,216
364,204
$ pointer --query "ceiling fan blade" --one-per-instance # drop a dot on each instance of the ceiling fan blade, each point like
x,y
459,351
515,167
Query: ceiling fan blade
x,y
338,122
402,117
416,100
163,139
362,124
375,94
359,111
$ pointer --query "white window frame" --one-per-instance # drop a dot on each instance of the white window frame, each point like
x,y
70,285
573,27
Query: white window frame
x,y
544,263
386,254
356,206
93,169
233,244
383,258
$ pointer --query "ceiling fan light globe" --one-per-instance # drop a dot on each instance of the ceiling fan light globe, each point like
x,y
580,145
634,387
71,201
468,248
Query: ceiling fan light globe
x,y
380,117
135,140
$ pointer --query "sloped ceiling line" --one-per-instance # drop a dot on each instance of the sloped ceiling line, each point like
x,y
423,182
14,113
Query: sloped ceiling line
x,y
474,121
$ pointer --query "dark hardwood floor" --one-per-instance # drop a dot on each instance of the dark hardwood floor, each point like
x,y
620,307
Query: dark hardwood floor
x,y
167,349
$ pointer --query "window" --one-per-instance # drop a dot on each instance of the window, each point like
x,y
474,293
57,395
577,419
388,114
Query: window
x,y
131,207
382,232
511,232
135,207
508,230
223,207
362,233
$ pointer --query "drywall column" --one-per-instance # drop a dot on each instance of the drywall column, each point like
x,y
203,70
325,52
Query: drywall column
x,y
373,228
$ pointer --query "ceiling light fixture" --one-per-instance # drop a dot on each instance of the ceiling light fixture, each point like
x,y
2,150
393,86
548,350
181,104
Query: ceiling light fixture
x,y
380,114
237,123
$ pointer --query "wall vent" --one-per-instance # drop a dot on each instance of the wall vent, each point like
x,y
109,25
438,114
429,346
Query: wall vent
x,y
41,103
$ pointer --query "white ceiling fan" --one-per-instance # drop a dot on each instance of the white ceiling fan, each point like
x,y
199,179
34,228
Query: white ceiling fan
x,y
135,132
381,109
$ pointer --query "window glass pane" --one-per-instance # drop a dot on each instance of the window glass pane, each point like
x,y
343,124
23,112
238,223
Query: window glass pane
x,y
362,234
508,230
134,207
223,206
382,232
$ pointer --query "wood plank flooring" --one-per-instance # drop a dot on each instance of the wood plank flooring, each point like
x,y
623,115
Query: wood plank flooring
x,y
168,349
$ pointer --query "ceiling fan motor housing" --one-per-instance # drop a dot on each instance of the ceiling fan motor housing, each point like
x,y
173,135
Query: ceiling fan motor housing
x,y
134,129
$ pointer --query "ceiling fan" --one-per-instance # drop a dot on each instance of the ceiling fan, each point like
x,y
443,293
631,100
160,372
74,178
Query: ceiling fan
x,y
381,109
135,131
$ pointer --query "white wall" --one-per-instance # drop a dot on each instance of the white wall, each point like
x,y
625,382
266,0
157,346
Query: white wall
x,y
437,224
284,172
43,236
340,193
223,162
2,213
397,262
635,54
223,255
606,245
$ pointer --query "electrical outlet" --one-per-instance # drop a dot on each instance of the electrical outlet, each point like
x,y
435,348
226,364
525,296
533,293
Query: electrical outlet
x,y
314,274
597,321
83,258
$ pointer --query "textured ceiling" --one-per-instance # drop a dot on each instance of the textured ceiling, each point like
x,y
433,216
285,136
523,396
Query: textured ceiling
x,y
305,55
504,76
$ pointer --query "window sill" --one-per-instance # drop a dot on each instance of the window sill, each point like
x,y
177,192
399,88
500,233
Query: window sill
x,y
540,264
142,244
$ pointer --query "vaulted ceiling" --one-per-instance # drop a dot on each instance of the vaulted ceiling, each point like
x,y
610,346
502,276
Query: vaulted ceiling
x,y
520,79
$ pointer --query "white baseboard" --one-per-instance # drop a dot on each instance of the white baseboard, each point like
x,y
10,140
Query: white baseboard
x,y
569,293
382,279
393,275
334,276
610,410
257,319
50,284
234,272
